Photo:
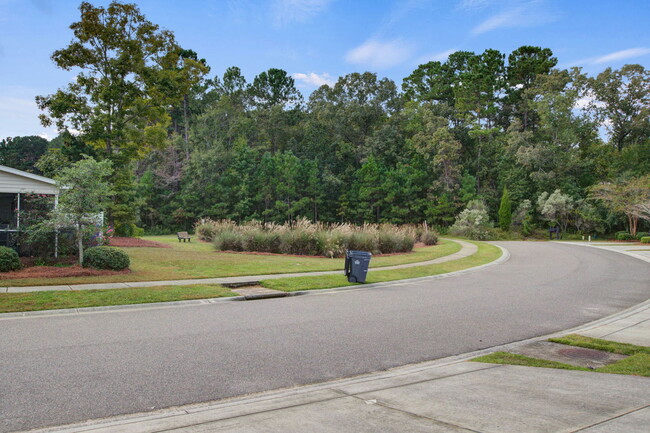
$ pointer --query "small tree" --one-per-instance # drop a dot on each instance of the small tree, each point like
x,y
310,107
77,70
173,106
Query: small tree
x,y
523,217
625,196
556,208
505,211
473,222
84,193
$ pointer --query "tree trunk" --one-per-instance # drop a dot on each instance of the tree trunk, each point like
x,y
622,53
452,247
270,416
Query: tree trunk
x,y
80,244
186,125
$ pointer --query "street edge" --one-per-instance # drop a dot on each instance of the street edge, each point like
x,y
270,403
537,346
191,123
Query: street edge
x,y
124,420
505,256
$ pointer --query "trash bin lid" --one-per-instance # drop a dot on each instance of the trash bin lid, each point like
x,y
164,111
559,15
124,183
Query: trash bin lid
x,y
358,254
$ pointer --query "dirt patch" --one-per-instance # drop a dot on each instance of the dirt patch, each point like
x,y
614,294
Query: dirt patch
x,y
58,272
135,242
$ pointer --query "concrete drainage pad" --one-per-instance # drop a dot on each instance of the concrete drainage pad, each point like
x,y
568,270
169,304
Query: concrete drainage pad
x,y
577,356
258,292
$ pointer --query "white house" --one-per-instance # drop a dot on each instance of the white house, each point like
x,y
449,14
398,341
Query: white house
x,y
13,184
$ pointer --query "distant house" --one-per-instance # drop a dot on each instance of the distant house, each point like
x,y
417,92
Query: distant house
x,y
14,184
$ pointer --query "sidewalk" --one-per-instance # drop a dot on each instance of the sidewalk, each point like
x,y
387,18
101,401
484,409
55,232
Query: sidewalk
x,y
467,249
448,395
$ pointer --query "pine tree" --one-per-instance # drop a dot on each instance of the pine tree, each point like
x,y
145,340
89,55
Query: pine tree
x,y
505,211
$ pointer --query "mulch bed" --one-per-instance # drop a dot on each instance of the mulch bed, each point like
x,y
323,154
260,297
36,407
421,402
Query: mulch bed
x,y
58,272
135,242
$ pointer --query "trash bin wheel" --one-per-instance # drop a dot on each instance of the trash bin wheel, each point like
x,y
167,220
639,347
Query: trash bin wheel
x,y
352,279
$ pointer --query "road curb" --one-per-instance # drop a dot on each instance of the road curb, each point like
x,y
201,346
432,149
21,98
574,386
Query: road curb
x,y
505,255
128,422
599,247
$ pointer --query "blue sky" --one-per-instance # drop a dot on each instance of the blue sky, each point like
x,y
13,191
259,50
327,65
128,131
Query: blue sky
x,y
317,41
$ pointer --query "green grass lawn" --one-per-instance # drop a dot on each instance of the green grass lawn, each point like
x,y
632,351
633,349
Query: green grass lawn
x,y
637,363
51,300
486,253
199,260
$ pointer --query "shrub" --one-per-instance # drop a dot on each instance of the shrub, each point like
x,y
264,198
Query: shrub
x,y
640,235
429,238
472,222
229,241
645,240
106,258
9,260
624,236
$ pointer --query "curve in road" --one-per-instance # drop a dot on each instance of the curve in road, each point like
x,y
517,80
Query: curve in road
x,y
62,369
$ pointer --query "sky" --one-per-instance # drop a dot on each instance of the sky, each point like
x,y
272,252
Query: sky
x,y
316,41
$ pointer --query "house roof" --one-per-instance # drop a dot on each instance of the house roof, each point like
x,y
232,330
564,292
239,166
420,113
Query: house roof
x,y
15,181
4,168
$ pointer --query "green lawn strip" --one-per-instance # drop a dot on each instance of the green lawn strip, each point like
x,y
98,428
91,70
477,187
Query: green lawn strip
x,y
637,363
199,260
598,344
486,253
34,301
514,359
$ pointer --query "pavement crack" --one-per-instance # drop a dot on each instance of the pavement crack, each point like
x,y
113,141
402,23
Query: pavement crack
x,y
417,415
611,419
490,367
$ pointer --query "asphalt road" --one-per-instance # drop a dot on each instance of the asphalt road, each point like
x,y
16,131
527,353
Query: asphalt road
x,y
63,369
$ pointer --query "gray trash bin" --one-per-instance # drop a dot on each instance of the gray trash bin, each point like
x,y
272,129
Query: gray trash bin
x,y
356,265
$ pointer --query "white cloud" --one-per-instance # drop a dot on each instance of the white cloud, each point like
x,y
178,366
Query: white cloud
x,y
380,55
621,55
313,79
287,11
528,14
610,58
438,57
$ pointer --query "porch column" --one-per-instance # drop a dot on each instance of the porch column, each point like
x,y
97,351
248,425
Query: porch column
x,y
56,231
18,212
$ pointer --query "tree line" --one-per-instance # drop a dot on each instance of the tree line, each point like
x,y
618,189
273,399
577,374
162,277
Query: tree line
x,y
186,144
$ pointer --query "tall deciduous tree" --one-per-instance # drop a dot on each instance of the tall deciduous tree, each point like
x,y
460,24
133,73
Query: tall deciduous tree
x,y
129,73
622,103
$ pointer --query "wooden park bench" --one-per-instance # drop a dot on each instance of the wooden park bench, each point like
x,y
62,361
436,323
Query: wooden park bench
x,y
184,237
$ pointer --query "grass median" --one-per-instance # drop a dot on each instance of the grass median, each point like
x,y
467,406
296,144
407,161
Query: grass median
x,y
199,260
637,363
54,300
486,253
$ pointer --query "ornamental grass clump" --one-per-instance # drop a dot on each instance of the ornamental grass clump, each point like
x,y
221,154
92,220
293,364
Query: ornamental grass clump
x,y
229,241
302,237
